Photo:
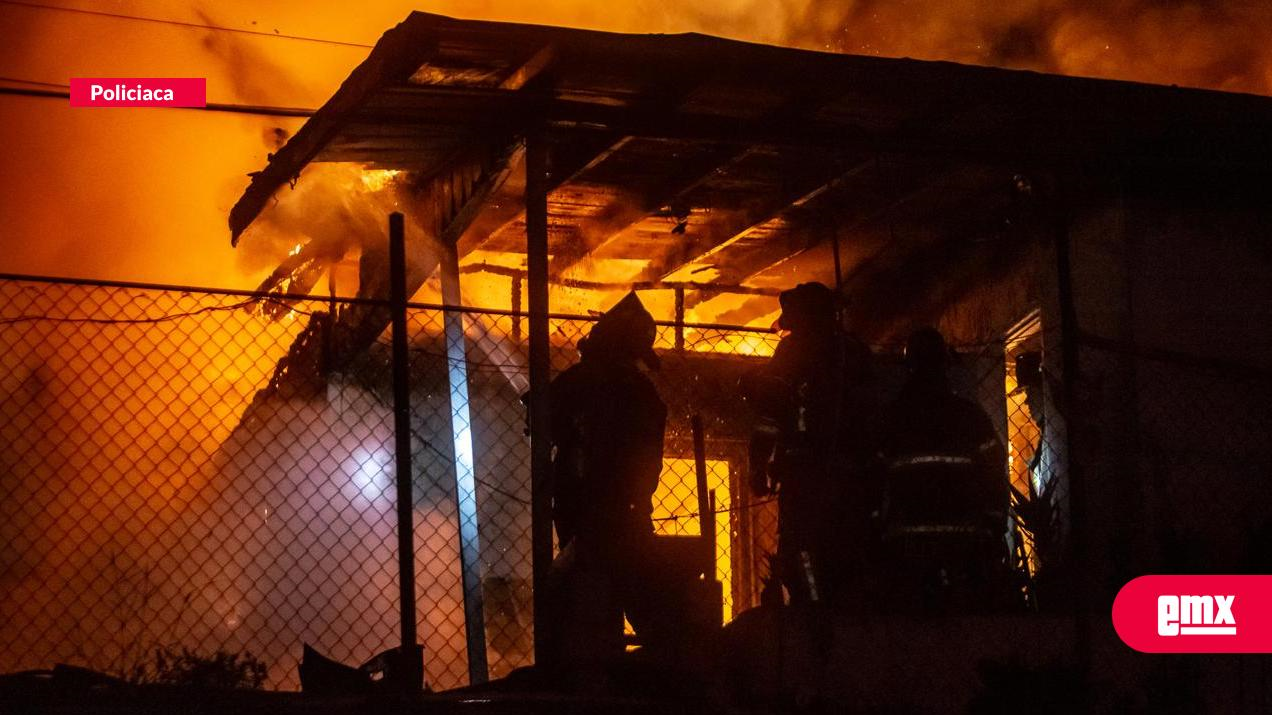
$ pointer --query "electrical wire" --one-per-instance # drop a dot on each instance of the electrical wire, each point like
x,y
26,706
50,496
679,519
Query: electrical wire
x,y
16,80
180,23
261,110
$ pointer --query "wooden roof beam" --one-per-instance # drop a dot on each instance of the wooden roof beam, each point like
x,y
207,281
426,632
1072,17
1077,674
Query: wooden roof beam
x,y
797,240
594,235
950,194
569,168
632,208
510,211
738,225
889,249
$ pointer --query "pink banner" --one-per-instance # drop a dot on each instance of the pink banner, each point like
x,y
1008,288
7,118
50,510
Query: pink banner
x,y
1195,614
139,92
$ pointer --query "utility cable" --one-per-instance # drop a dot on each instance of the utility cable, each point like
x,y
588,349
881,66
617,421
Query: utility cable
x,y
179,23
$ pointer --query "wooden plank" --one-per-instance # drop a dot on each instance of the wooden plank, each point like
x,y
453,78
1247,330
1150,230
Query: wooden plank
x,y
797,181
506,212
945,201
794,240
795,205
595,234
634,206
572,159
478,191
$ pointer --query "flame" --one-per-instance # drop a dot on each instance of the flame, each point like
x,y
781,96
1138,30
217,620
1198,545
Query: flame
x,y
1023,439
161,217
377,179
164,185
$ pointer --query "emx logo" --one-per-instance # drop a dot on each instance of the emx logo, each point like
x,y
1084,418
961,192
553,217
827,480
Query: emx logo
x,y
1195,614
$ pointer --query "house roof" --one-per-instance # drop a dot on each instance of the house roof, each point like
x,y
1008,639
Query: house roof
x,y
698,160
433,83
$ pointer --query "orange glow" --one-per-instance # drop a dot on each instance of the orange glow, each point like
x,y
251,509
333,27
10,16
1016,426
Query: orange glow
x,y
1022,441
143,195
736,343
677,497
377,179
147,181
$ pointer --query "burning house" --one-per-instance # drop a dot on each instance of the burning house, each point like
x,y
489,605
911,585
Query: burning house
x,y
1095,250
1021,213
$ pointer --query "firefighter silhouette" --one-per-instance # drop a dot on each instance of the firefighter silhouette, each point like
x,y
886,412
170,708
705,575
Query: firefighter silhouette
x,y
944,514
607,435
812,400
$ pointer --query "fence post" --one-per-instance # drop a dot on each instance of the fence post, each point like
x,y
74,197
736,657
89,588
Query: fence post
x,y
412,656
465,477
1080,552
540,372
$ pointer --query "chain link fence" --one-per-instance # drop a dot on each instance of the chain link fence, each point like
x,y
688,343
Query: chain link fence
x,y
1180,459
194,469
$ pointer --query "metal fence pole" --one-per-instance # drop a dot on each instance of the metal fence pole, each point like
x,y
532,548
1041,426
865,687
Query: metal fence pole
x,y
540,374
465,467
411,658
1081,566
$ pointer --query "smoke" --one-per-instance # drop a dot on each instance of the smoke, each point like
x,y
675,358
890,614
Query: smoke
x,y
143,194
1216,44
252,75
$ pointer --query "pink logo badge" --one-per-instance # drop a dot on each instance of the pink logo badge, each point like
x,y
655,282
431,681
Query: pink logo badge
x,y
1195,614
139,92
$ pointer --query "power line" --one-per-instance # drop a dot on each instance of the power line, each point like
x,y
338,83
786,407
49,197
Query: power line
x,y
261,110
15,80
179,23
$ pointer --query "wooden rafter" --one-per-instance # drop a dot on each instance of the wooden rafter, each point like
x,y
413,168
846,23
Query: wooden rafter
x,y
950,195
795,240
634,206
571,162
611,223
506,209
735,223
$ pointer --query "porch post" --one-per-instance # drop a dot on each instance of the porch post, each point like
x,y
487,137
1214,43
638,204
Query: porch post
x,y
411,653
536,199
465,478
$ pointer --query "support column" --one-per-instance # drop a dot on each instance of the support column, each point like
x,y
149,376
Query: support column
x,y
410,653
540,373
1082,566
465,477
